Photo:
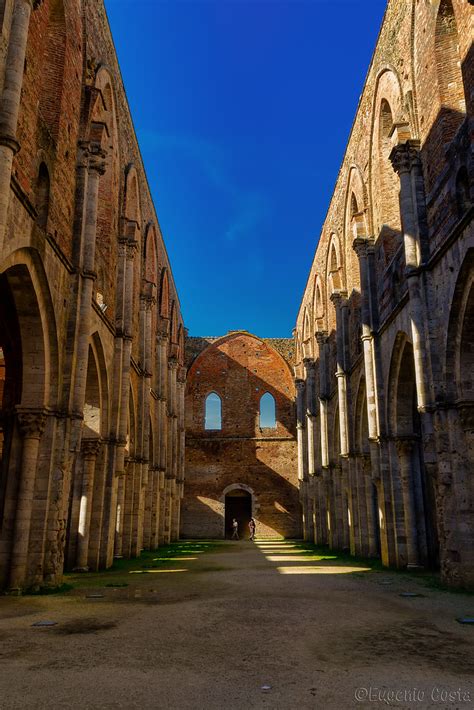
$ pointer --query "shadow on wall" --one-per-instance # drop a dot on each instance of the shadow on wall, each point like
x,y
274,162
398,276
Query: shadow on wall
x,y
240,456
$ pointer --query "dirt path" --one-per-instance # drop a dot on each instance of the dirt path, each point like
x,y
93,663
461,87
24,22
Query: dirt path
x,y
234,620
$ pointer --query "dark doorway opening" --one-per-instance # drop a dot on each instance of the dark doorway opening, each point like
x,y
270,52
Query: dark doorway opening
x,y
238,505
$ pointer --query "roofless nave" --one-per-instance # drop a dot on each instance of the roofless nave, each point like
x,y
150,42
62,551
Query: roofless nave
x,y
93,371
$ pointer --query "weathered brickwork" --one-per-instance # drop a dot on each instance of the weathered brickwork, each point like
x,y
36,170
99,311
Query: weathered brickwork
x,y
91,334
242,458
384,335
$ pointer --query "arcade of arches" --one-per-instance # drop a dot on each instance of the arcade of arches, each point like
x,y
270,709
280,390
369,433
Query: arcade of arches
x,y
359,433
385,331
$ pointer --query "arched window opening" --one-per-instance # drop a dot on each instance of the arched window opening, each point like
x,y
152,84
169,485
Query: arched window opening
x,y
267,412
52,68
164,296
213,412
450,83
354,206
388,188
307,336
42,197
463,197
318,300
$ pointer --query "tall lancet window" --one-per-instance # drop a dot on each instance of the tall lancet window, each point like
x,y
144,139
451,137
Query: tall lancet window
x,y
213,415
267,412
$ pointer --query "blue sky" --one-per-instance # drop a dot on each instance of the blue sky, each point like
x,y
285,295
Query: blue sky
x,y
243,109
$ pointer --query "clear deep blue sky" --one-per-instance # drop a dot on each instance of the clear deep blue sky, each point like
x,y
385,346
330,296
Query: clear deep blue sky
x,y
243,110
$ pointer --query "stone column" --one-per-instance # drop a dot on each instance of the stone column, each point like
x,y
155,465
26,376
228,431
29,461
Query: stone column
x,y
173,446
406,162
162,353
128,248
181,384
405,456
127,518
300,428
96,168
372,521
10,103
155,511
339,298
361,246
32,424
321,337
90,449
311,413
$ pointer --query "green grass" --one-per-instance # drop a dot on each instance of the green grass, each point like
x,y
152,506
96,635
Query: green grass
x,y
163,557
45,591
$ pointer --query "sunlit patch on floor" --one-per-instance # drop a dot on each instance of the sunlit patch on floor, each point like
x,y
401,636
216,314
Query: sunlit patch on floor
x,y
321,570
173,559
297,558
155,571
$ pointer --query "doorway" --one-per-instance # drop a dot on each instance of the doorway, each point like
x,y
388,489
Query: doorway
x,y
238,505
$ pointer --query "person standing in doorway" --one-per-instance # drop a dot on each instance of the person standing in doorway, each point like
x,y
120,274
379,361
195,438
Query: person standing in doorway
x,y
235,529
252,526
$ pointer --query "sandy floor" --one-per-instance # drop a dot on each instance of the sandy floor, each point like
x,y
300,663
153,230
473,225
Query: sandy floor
x,y
241,617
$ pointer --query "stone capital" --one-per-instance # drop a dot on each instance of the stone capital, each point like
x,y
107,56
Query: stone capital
x,y
173,363
32,422
405,156
300,385
147,301
339,298
309,365
321,337
90,447
97,156
161,337
360,246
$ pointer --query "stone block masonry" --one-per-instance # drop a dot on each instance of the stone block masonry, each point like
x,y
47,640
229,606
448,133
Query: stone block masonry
x,y
91,333
384,335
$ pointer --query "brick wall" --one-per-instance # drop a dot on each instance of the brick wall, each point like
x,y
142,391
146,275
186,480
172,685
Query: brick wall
x,y
240,368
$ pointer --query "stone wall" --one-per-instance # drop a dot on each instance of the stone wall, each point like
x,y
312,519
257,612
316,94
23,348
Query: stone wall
x,y
240,368
91,334
383,361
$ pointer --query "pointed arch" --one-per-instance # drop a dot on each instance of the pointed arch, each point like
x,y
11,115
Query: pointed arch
x,y
318,301
307,335
460,335
387,113
132,209
150,266
103,127
174,324
164,294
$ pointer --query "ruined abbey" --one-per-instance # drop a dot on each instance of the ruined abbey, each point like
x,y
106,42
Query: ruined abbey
x,y
385,331
119,433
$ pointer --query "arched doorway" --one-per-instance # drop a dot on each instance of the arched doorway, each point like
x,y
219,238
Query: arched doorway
x,y
238,505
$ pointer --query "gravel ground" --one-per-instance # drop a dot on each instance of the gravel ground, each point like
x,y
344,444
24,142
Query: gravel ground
x,y
245,625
